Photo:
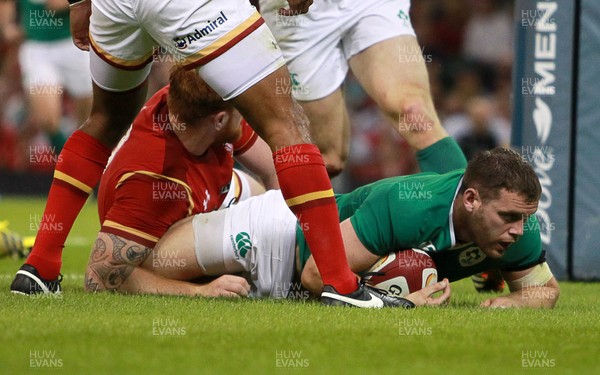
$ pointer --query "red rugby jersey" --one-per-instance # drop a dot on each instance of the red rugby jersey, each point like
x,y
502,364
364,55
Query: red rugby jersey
x,y
152,181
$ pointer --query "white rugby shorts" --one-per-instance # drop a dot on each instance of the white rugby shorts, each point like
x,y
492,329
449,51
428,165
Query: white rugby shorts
x,y
318,45
226,40
257,237
55,64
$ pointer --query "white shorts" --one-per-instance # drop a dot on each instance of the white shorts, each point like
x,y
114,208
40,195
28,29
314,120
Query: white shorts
x,y
56,64
256,237
318,45
226,40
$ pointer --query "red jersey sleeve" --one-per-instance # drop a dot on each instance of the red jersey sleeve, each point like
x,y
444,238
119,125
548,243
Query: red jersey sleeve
x,y
145,207
246,140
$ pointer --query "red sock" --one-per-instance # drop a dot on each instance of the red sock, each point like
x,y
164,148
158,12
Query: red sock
x,y
307,190
78,170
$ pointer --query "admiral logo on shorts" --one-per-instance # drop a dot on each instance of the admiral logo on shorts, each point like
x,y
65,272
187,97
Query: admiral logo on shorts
x,y
182,42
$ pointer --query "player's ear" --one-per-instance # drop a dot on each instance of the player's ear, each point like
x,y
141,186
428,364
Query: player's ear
x,y
220,119
471,199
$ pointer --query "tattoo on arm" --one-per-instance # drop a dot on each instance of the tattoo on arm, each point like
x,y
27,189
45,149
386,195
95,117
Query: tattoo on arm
x,y
91,284
108,270
99,250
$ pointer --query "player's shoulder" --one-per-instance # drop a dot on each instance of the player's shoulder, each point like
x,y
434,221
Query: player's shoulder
x,y
425,188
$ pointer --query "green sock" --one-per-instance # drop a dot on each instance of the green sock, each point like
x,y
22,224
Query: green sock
x,y
57,140
443,156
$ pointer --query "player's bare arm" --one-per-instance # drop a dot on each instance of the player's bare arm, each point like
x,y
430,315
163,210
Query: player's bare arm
x,y
361,259
533,287
115,265
80,13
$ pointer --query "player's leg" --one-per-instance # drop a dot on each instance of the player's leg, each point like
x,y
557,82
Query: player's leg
x,y
394,75
44,104
43,89
332,134
387,60
78,170
359,258
255,237
118,94
240,59
74,66
311,46
281,122
174,256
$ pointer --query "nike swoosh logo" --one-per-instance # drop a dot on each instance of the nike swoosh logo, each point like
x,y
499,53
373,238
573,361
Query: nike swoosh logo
x,y
374,303
37,280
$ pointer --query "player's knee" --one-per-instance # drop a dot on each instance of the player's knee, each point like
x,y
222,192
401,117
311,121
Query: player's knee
x,y
412,108
414,117
334,162
285,128
103,127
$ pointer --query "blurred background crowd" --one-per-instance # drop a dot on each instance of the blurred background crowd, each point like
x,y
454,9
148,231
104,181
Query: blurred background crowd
x,y
466,46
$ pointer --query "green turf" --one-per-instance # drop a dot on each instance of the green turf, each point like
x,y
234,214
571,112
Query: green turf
x,y
113,334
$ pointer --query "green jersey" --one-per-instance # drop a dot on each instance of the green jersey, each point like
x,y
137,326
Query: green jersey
x,y
42,24
415,211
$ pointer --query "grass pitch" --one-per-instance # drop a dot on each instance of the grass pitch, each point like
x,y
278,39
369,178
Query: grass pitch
x,y
113,334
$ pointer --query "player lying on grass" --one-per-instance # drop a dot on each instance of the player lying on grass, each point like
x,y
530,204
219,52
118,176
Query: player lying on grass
x,y
144,191
227,43
176,161
467,220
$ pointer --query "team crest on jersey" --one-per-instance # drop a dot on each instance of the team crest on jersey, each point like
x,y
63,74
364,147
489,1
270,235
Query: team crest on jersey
x,y
182,42
471,256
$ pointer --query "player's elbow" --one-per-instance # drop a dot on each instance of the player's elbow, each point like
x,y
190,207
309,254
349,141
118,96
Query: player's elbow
x,y
93,282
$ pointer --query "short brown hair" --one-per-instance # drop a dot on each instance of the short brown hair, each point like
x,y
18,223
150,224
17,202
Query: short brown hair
x,y
501,168
190,98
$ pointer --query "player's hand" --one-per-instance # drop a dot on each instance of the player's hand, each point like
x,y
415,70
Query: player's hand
x,y
296,7
424,296
80,24
227,286
500,302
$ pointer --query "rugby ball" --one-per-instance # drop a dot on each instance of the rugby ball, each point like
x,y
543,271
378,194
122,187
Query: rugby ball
x,y
401,273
